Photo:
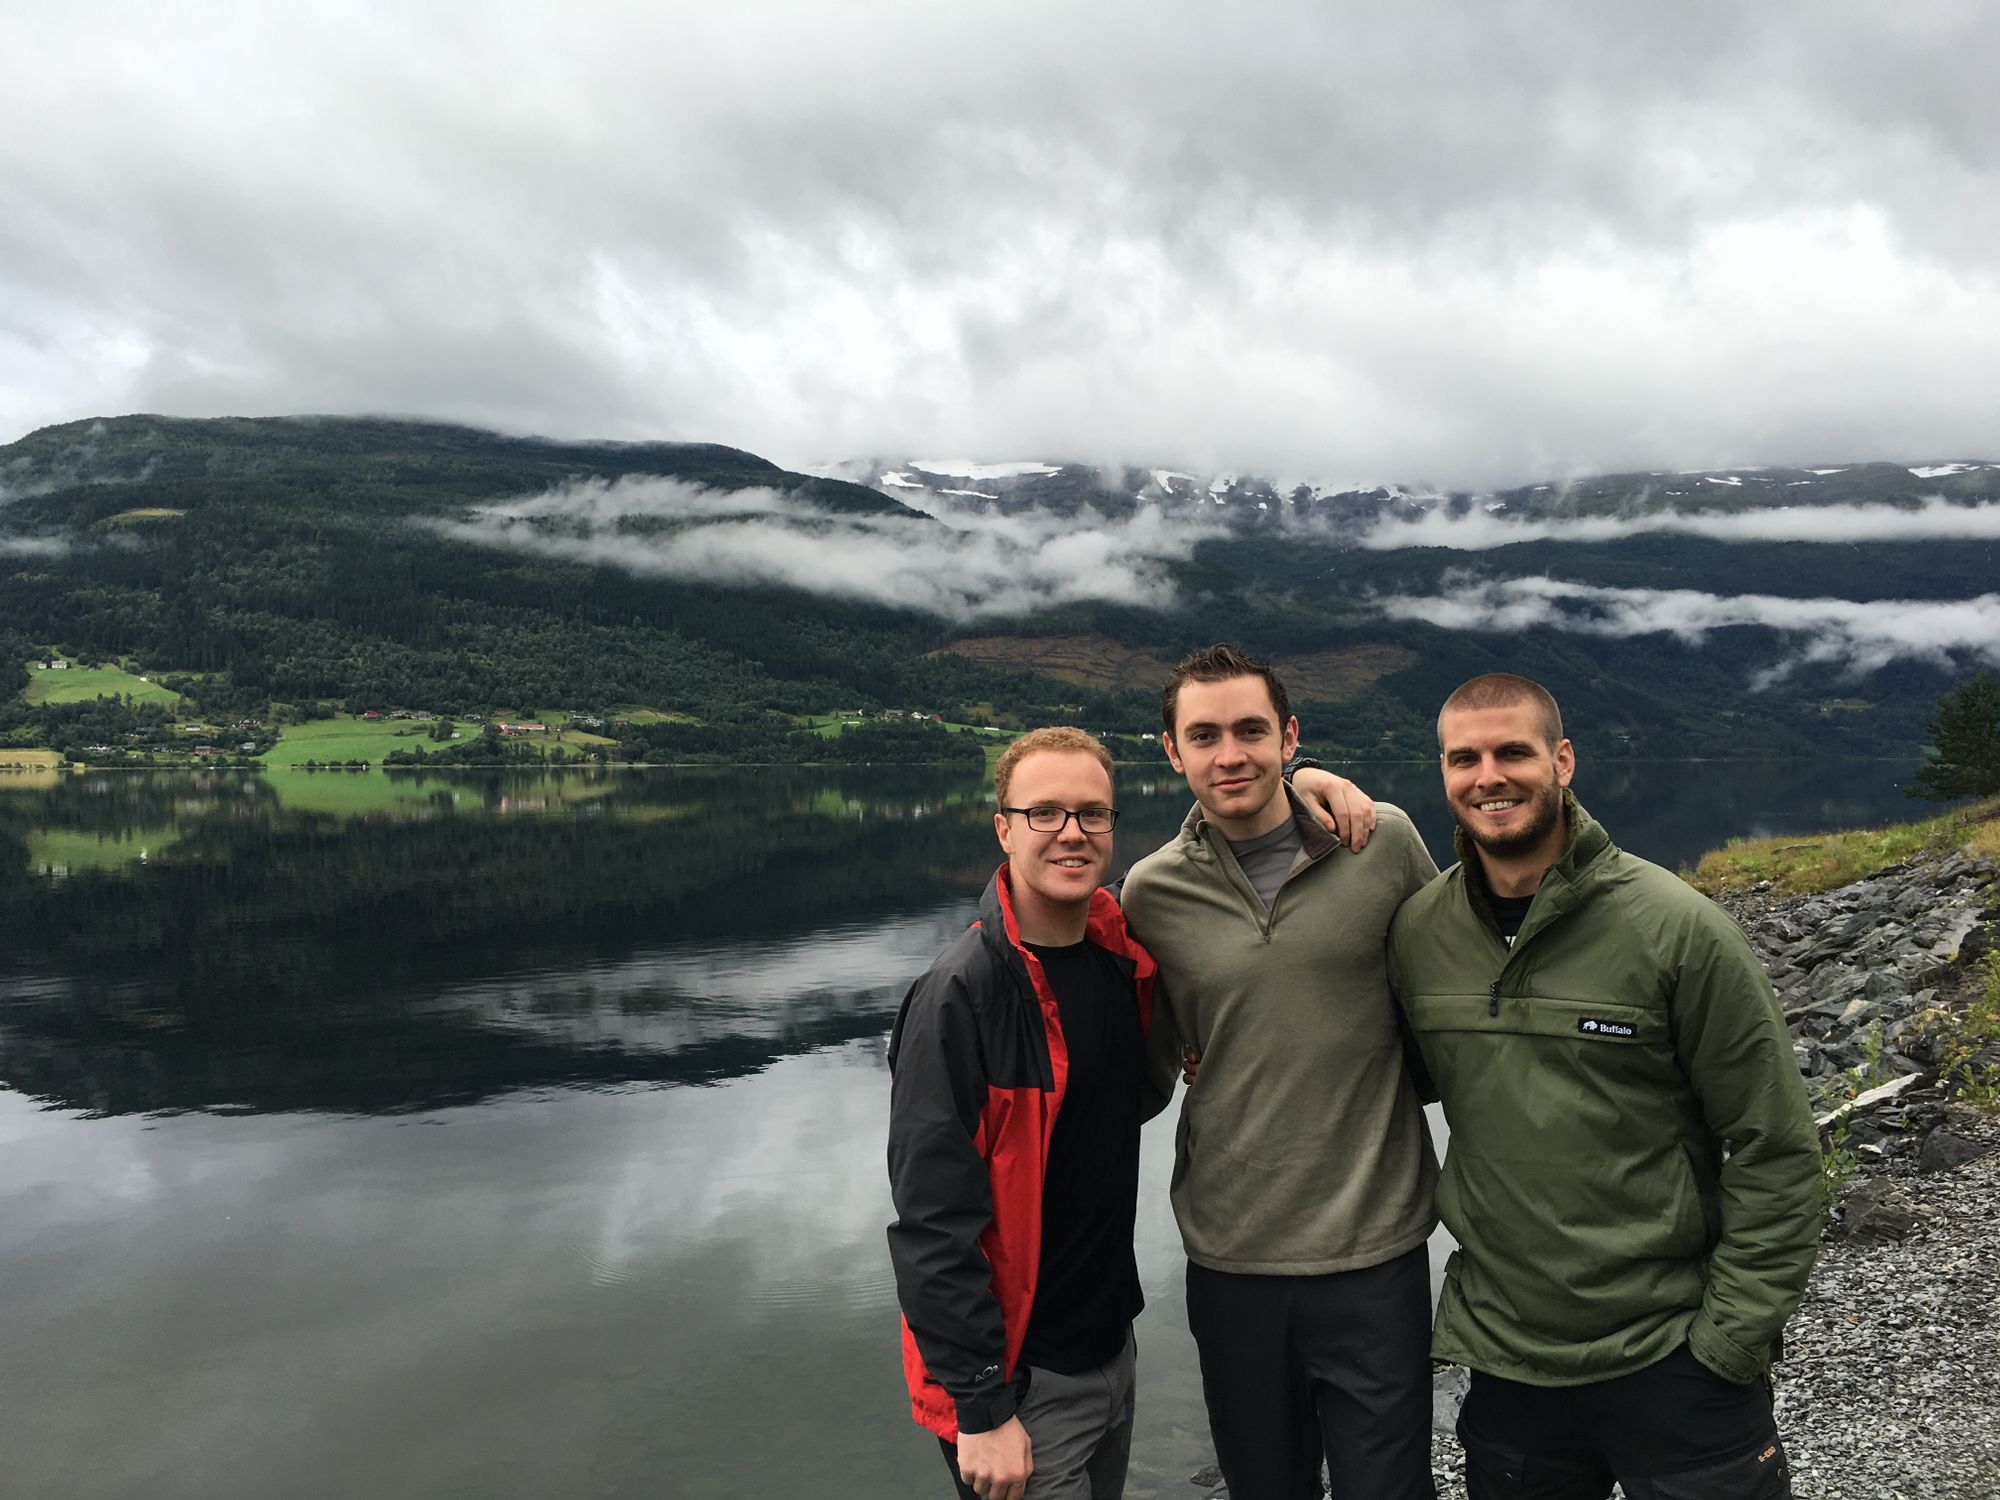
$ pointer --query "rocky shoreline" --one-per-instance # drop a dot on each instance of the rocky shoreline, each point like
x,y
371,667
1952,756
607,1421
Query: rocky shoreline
x,y
1890,1385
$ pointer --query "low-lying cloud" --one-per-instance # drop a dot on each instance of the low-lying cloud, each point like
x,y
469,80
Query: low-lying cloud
x,y
1478,530
960,565
33,546
1855,637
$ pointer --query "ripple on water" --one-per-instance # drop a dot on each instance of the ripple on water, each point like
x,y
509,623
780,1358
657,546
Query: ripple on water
x,y
855,1289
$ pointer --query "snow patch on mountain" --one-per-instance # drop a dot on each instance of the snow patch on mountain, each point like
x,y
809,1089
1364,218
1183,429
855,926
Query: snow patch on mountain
x,y
965,468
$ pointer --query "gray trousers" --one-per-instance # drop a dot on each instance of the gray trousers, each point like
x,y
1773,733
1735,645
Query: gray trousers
x,y
1081,1428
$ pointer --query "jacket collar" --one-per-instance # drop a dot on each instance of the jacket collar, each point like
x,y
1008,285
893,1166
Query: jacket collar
x,y
1105,926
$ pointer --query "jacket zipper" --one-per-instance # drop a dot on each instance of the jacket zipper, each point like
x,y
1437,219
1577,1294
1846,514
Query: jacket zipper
x,y
1493,998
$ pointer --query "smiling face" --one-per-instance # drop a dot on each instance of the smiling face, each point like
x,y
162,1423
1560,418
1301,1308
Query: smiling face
x,y
1504,782
1229,744
1051,875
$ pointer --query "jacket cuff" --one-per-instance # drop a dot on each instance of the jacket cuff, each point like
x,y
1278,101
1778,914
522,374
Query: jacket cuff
x,y
985,1410
1723,1354
1300,763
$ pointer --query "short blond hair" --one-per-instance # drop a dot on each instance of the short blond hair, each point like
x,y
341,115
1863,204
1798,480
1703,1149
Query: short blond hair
x,y
1056,737
1505,690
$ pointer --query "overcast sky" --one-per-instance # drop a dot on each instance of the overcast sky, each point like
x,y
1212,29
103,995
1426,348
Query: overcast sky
x,y
1451,243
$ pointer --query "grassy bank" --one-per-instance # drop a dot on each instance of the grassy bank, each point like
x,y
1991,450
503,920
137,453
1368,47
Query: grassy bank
x,y
1800,866
81,684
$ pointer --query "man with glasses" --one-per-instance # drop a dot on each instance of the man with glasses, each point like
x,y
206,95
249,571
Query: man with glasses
x,y
1014,1112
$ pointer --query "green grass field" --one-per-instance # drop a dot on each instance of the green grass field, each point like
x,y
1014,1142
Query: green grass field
x,y
345,738
80,684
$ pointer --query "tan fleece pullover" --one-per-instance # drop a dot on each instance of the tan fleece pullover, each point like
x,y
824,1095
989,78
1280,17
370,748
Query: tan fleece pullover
x,y
1302,1147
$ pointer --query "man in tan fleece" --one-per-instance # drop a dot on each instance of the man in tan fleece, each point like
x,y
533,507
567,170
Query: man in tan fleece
x,y
1303,1172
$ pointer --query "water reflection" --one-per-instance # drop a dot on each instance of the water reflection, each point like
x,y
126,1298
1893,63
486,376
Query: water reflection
x,y
257,1243
218,942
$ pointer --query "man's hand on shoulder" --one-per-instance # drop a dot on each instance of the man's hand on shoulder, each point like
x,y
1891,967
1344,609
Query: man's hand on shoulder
x,y
1342,808
997,1464
1190,1064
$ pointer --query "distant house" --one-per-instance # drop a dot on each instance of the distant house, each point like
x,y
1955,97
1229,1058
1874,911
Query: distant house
x,y
371,714
524,729
58,665
206,750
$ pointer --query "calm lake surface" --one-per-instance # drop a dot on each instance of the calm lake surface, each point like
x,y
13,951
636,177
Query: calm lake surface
x,y
522,1136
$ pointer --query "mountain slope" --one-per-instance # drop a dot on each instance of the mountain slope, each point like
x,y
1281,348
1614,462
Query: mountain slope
x,y
394,563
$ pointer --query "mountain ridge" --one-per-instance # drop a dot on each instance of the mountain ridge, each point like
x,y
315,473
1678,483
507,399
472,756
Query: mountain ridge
x,y
399,563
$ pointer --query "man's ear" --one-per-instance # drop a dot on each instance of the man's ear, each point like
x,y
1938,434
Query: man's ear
x,y
1173,755
1000,833
1565,762
1291,739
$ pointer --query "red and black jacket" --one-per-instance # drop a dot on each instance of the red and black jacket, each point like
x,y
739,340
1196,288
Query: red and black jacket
x,y
978,1068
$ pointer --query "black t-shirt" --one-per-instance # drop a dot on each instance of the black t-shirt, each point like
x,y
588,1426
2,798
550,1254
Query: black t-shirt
x,y
1509,912
1087,1290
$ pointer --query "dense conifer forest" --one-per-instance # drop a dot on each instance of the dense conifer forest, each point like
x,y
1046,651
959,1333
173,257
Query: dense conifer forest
x,y
275,569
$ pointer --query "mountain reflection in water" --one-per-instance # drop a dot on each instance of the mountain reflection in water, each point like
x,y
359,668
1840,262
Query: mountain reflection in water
x,y
346,1147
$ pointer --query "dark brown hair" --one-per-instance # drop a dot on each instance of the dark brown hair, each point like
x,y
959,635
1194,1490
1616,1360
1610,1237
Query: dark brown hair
x,y
1219,663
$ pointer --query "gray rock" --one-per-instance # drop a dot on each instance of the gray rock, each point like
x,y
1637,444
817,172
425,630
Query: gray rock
x,y
1878,1209
1942,1151
1448,1388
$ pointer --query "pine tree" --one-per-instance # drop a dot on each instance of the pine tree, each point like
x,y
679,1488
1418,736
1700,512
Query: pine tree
x,y
1964,758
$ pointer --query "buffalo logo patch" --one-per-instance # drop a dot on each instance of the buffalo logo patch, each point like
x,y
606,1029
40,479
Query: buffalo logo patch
x,y
1591,1027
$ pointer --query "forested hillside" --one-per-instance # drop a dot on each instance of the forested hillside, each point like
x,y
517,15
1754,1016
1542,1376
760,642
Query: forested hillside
x,y
271,566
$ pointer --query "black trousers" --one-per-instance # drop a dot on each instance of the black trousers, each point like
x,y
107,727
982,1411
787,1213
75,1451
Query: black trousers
x,y
1296,1368
1673,1431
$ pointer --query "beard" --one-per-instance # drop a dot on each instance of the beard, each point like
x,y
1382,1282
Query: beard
x,y
1545,810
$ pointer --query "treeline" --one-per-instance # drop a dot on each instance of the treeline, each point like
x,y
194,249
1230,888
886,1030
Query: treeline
x,y
294,562
74,728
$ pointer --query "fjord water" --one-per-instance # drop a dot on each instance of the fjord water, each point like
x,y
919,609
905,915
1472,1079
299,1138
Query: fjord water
x,y
522,1136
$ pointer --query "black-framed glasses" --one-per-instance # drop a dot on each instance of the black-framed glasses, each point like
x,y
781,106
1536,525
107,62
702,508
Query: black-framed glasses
x,y
1056,819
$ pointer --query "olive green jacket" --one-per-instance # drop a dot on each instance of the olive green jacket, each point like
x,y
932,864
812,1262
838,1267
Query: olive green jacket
x,y
1632,1162
1302,1148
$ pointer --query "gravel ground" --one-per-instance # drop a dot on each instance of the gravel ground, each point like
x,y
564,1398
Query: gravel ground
x,y
1890,1385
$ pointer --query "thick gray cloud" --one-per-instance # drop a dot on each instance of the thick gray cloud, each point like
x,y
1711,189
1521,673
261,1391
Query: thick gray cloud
x,y
956,564
1465,244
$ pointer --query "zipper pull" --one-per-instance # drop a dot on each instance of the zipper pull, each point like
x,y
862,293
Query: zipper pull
x,y
1493,998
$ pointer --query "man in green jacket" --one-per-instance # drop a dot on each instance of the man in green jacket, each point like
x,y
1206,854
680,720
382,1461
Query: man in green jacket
x,y
1303,1169
1633,1173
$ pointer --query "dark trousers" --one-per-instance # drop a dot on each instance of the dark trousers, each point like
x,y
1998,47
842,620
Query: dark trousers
x,y
1296,1368
1675,1430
